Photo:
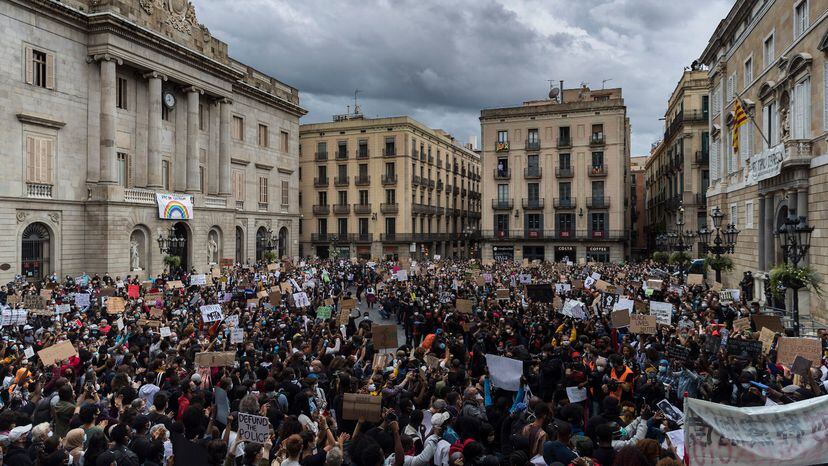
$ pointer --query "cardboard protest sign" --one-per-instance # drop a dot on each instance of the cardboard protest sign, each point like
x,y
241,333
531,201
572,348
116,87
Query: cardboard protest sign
x,y
59,352
216,359
695,279
275,298
34,302
502,293
654,284
236,335
165,332
301,299
640,306
743,348
13,317
261,294
384,336
272,267
347,304
211,313
226,262
149,323
741,324
601,285
355,406
232,320
772,323
578,284
14,299
643,324
716,287
379,362
252,303
174,285
788,348
620,319
115,305
662,311
343,317
801,366
463,306
286,287
156,313
323,312
253,428
107,291
154,299
766,336
328,302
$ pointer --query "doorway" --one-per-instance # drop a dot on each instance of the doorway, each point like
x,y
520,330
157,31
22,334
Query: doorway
x,y
183,250
36,252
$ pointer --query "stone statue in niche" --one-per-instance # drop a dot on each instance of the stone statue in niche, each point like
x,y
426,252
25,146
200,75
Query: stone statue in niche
x,y
134,255
784,116
212,249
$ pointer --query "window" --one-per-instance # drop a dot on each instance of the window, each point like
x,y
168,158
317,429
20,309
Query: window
x,y
564,162
705,106
342,150
123,169
40,68
716,96
363,226
238,128
262,190
533,221
749,214
746,141
39,159
285,139
597,132
322,226
362,148
502,137
731,87
342,196
533,191
532,163
800,18
263,137
502,167
238,185
770,124
597,160
503,193
801,110
342,226
285,193
390,170
566,222
322,198
342,171
166,113
501,223
121,94
363,197
533,138
390,226
165,174
202,177
565,191
734,215
748,76
390,196
598,190
322,172
563,135
597,222
390,146
768,51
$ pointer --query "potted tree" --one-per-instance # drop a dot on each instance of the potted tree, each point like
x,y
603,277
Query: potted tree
x,y
172,262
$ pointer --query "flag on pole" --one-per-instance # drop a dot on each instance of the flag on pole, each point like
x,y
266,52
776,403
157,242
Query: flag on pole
x,y
739,119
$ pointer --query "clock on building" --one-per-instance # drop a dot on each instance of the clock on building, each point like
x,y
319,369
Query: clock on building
x,y
169,99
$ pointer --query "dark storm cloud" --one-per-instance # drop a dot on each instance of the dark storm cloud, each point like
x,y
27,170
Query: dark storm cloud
x,y
441,62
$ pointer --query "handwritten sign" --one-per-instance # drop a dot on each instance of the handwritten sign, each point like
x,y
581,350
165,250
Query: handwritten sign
x,y
741,324
82,299
165,332
55,353
253,428
788,348
34,302
620,318
773,323
384,336
115,305
301,299
463,306
236,335
662,311
13,317
323,312
695,279
654,284
211,313
644,324
216,359
766,336
355,406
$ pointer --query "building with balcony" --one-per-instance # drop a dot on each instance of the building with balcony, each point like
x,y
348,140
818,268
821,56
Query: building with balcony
x,y
638,212
557,178
677,170
399,189
108,104
772,56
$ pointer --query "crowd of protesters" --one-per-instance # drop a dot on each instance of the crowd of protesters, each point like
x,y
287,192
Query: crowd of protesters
x,y
130,396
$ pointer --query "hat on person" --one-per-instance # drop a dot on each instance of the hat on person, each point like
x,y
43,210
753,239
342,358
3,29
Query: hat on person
x,y
439,419
196,379
19,432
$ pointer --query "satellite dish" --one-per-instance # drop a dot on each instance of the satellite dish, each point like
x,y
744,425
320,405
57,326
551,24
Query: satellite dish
x,y
553,93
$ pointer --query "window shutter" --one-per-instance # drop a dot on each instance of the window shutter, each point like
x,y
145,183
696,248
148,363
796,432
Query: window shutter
x,y
50,71
29,65
765,124
825,97
30,159
48,157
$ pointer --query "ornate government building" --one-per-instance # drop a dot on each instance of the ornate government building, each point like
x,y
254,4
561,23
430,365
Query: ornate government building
x,y
124,121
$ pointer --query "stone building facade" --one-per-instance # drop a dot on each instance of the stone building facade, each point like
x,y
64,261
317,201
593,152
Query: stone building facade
x,y
387,188
771,55
106,103
556,178
677,171
638,212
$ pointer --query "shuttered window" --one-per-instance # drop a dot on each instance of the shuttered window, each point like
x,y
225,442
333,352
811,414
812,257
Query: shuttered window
x,y
714,160
285,193
238,185
263,190
801,110
40,68
39,159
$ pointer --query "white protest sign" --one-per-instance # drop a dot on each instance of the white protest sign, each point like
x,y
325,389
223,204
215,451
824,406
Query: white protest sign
x,y
62,308
793,434
82,299
28,352
574,309
505,372
561,288
200,279
165,332
120,323
232,321
588,282
253,428
624,303
14,317
576,394
677,439
301,299
236,335
595,276
211,313
662,311
525,279
402,275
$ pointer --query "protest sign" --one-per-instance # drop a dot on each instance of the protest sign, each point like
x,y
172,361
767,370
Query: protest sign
x,y
154,299
766,336
343,317
677,440
741,324
487,278
624,303
62,308
34,301
165,332
772,323
788,348
792,434
561,288
801,366
275,298
115,305
216,359
505,372
253,428
149,323
13,317
236,335
174,285
574,309
107,291
671,412
695,279
463,306
588,282
323,312
644,324
300,299
55,353
133,291
620,318
654,284
13,299
384,336
712,343
156,313
540,293
747,349
578,284
576,394
29,352
728,296
502,293
678,352
525,278
82,299
402,275
662,311
211,313
347,304
602,285
355,406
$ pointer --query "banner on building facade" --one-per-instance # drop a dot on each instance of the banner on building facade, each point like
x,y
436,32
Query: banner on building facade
x,y
791,434
174,206
766,164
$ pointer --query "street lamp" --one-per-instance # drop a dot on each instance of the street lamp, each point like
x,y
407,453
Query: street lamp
x,y
723,243
171,242
796,240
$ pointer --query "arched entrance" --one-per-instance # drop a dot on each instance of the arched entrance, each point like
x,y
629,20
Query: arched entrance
x,y
36,260
239,245
183,251
261,243
283,242
138,249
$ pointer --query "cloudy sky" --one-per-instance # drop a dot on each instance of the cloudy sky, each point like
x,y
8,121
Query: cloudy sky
x,y
442,61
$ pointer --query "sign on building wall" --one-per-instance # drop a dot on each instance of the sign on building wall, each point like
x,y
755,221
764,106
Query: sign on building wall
x,y
766,164
174,206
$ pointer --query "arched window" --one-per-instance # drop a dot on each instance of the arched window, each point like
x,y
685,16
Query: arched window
x,y
36,252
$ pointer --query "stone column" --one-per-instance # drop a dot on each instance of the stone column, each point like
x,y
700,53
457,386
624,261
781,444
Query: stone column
x,y
193,178
154,129
767,233
108,102
761,235
802,203
224,147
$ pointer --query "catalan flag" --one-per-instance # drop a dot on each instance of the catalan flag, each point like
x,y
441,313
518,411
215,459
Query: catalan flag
x,y
739,119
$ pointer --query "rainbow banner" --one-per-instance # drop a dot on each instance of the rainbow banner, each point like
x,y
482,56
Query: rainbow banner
x,y
174,206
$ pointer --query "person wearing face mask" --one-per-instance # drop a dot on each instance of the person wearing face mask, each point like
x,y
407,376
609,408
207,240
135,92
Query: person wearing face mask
x,y
473,405
122,454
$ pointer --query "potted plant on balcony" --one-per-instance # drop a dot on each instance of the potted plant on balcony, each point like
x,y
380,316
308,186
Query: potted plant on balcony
x,y
172,262
785,276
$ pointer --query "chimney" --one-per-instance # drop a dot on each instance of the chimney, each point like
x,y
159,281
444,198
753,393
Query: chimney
x,y
562,92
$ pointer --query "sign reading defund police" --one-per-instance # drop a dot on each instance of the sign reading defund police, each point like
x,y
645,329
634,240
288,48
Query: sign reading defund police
x,y
253,428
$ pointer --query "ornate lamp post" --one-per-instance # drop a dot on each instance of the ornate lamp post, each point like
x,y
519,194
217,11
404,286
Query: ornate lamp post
x,y
723,243
171,242
796,240
681,238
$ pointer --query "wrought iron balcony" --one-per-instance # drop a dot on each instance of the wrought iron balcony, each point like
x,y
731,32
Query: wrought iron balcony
x,y
505,174
531,173
389,151
341,209
362,180
598,170
342,181
598,202
503,204
389,179
389,208
597,139
533,203
322,209
362,153
342,155
564,142
566,172
532,145
321,182
564,203
362,209
321,156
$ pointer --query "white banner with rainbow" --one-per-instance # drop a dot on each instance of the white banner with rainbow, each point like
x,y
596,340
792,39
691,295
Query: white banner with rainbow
x,y
174,206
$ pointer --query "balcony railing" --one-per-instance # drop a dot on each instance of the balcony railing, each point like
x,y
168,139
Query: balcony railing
x,y
342,181
568,234
532,172
439,186
321,182
399,237
532,203
564,203
598,170
362,180
389,179
362,209
389,151
340,209
342,155
566,172
321,209
389,208
363,237
598,202
564,142
532,145
321,156
430,184
701,200
503,204
597,140
702,157
502,174
362,153
133,195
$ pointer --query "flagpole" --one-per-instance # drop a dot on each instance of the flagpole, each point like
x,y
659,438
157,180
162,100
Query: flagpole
x,y
752,119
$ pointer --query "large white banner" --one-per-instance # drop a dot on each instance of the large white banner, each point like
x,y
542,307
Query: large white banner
x,y
793,434
174,206
504,372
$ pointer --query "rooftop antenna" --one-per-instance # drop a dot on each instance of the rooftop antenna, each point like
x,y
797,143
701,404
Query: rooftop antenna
x,y
357,110
553,91
604,81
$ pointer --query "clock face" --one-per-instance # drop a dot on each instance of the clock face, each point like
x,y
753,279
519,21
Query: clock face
x,y
169,99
